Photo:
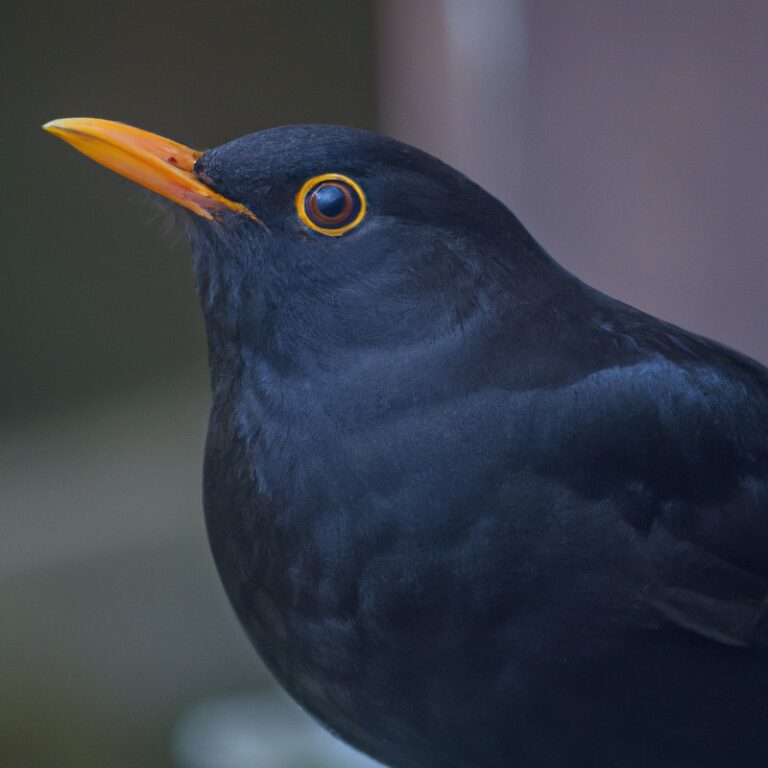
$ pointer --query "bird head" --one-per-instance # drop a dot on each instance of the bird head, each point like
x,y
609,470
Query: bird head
x,y
312,241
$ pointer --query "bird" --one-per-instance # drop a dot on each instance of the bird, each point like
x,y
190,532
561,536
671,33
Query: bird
x,y
470,511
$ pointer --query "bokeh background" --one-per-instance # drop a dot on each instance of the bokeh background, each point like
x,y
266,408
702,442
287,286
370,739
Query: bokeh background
x,y
629,137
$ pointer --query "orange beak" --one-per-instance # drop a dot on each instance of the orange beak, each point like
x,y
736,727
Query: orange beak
x,y
156,163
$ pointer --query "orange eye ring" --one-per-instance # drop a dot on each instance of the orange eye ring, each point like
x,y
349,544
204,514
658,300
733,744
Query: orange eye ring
x,y
331,204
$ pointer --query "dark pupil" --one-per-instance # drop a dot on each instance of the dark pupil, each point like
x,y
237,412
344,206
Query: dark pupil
x,y
330,200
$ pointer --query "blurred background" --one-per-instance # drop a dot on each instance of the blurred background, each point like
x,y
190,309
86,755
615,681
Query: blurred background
x,y
629,137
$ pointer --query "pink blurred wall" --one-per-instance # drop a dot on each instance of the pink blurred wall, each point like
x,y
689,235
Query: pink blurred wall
x,y
631,138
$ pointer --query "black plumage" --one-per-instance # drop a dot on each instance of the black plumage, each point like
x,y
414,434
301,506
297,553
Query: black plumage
x,y
472,512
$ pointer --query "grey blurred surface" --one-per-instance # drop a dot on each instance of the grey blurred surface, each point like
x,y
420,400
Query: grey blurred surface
x,y
258,730
629,137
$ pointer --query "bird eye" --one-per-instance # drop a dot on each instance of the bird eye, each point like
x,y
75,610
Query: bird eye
x,y
331,204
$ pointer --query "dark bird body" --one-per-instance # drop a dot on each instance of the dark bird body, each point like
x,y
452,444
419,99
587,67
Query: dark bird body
x,y
471,512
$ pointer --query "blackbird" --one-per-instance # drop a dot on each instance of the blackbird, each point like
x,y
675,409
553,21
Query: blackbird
x,y
471,512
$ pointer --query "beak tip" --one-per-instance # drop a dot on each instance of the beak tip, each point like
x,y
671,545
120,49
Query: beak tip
x,y
58,126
